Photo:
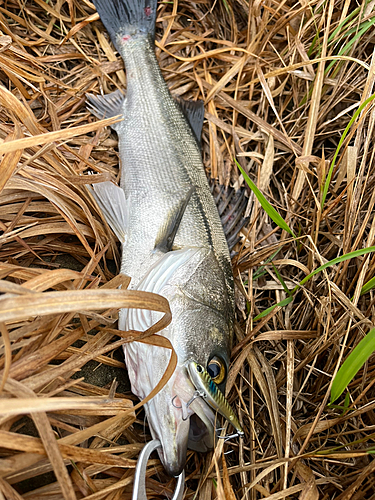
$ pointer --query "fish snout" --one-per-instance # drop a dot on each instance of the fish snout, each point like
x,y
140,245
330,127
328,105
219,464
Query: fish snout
x,y
173,463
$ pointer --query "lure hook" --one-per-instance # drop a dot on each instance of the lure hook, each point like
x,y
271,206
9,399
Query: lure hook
x,y
179,407
196,395
227,437
185,414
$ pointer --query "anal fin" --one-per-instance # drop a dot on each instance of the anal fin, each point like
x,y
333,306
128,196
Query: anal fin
x,y
167,233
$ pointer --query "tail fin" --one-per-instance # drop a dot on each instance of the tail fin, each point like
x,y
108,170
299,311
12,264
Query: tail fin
x,y
127,18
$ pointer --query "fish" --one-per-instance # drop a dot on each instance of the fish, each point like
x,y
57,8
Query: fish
x,y
172,238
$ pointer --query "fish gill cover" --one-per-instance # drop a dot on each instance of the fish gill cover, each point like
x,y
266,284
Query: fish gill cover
x,y
281,85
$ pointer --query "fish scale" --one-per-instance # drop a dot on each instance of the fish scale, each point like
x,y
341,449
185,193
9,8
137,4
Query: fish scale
x,y
170,170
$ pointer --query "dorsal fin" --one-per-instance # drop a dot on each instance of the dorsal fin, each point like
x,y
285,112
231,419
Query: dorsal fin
x,y
106,106
231,206
194,114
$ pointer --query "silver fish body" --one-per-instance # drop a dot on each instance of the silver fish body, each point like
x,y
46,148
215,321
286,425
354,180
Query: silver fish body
x,y
162,171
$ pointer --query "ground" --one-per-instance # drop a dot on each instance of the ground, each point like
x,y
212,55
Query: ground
x,y
288,93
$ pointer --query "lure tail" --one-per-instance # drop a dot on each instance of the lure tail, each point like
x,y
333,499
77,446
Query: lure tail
x,y
126,19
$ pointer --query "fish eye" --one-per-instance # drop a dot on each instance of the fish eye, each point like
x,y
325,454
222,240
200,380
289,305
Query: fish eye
x,y
216,370
199,368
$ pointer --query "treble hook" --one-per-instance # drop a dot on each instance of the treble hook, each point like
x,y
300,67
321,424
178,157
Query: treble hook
x,y
228,437
185,414
179,407
196,395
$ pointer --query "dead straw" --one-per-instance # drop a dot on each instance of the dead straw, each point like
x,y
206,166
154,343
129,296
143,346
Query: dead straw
x,y
281,81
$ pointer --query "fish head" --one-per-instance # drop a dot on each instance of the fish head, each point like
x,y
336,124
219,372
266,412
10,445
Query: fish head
x,y
174,416
178,418
202,306
201,329
212,352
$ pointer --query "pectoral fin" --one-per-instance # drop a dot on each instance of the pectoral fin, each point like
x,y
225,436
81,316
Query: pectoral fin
x,y
161,274
167,233
111,199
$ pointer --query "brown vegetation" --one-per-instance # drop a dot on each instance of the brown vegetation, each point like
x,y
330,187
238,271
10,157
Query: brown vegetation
x,y
280,81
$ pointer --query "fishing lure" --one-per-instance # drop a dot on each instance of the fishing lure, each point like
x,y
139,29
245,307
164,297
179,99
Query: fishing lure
x,y
208,390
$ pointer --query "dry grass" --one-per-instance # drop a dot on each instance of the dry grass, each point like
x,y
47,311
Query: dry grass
x,y
281,81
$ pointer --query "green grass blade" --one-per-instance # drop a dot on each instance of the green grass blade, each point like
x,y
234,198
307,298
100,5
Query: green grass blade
x,y
332,37
280,278
267,207
342,258
353,363
261,271
258,274
368,286
226,6
312,46
346,48
282,303
330,172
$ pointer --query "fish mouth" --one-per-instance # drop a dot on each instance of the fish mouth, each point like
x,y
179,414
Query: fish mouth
x,y
177,426
202,426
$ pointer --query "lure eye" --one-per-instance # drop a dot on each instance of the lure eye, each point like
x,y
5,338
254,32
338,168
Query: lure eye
x,y
216,370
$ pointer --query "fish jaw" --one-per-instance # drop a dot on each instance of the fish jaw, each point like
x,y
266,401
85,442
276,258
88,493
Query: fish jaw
x,y
177,426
